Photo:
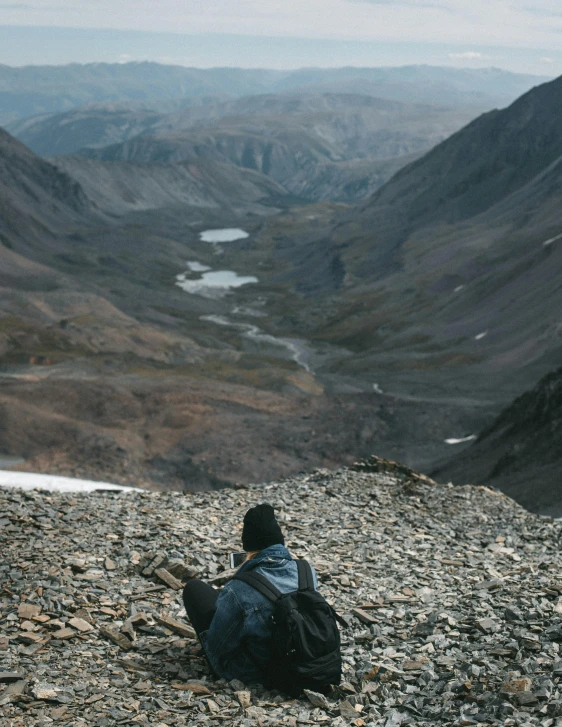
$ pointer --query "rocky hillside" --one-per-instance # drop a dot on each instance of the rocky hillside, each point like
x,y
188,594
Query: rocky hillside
x,y
520,453
452,596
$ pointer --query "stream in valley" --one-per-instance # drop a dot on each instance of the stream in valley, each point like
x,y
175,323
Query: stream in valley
x,y
202,280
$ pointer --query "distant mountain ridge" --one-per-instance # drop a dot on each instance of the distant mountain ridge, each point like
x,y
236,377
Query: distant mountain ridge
x,y
318,146
33,90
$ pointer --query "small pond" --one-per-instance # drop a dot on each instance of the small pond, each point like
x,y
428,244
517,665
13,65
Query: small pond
x,y
227,234
214,284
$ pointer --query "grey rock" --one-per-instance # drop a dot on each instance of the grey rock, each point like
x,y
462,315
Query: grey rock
x,y
347,710
318,700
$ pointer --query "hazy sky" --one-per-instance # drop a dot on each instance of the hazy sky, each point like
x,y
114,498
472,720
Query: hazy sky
x,y
522,35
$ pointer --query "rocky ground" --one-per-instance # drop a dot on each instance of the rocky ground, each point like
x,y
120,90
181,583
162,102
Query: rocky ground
x,y
453,598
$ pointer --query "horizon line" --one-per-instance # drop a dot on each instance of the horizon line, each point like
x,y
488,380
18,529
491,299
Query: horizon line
x,y
266,68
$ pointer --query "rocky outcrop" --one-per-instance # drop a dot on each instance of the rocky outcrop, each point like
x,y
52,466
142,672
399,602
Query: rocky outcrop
x,y
451,595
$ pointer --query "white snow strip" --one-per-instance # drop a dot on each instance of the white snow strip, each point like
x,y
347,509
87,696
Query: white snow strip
x,y
546,243
377,389
458,288
481,335
461,440
54,483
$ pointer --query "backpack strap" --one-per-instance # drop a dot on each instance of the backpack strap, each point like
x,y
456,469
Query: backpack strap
x,y
260,583
306,579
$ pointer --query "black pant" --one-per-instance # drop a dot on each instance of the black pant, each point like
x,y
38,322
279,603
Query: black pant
x,y
200,601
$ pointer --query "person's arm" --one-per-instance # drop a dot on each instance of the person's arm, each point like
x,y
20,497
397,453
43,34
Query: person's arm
x,y
226,632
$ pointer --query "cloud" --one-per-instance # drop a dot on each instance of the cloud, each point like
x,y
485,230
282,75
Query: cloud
x,y
546,60
469,55
472,23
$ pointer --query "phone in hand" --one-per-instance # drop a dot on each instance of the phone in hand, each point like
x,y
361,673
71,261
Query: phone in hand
x,y
236,559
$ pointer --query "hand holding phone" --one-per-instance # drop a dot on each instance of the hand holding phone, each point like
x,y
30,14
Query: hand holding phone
x,y
236,559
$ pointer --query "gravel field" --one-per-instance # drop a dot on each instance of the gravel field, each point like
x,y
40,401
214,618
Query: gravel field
x,y
453,598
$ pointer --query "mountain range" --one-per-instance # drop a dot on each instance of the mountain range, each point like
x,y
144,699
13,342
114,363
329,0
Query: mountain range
x,y
421,311
33,90
317,146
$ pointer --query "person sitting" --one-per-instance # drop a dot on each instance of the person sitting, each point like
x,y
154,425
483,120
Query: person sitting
x,y
235,625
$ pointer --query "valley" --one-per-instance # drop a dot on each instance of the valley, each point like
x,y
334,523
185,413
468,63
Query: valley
x,y
191,308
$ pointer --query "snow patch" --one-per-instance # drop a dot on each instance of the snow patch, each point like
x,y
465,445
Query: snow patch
x,y
546,243
480,336
469,438
54,483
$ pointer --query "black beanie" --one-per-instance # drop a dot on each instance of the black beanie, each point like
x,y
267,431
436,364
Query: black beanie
x,y
261,529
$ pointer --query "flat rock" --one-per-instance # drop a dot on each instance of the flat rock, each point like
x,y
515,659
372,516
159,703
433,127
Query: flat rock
x,y
177,626
80,625
318,700
11,676
63,634
517,685
120,639
28,610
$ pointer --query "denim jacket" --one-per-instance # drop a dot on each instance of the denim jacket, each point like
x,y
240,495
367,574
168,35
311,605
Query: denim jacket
x,y
237,642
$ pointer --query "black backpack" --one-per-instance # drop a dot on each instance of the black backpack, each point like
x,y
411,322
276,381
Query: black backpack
x,y
305,644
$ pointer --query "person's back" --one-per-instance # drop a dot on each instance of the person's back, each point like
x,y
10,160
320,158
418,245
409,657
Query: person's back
x,y
268,625
238,641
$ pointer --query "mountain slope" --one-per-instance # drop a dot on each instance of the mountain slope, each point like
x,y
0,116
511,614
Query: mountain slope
x,y
521,452
37,200
48,229
482,164
119,188
88,126
358,125
448,277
